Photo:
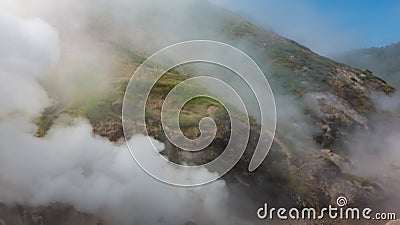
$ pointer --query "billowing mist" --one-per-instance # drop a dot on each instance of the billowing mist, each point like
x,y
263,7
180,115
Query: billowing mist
x,y
70,164
28,47
375,152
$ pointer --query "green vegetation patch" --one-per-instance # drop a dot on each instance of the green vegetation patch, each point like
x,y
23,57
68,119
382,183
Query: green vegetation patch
x,y
106,105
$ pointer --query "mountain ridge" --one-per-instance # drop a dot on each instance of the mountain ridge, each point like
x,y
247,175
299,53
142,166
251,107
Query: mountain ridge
x,y
334,97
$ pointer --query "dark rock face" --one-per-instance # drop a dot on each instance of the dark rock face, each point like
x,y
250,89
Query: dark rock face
x,y
49,215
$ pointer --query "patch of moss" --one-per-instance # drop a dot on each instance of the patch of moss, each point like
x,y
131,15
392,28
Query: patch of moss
x,y
299,187
94,107
97,105
46,120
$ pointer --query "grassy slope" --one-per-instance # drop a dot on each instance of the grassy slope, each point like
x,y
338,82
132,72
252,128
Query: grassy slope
x,y
98,107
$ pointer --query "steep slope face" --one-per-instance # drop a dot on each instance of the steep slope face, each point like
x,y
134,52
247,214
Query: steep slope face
x,y
334,98
383,61
336,95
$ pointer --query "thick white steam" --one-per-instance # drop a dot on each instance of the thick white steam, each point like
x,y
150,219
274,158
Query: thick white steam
x,y
28,47
70,164
94,175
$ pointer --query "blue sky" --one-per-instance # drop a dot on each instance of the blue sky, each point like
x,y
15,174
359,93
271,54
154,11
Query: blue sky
x,y
327,27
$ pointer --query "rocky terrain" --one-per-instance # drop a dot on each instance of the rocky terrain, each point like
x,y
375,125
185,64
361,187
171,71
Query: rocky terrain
x,y
334,97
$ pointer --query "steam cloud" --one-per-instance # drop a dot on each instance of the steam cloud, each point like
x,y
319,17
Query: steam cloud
x,y
70,164
375,153
27,48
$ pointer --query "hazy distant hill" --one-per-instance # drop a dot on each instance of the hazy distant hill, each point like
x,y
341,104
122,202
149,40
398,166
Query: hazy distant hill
x,y
384,62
